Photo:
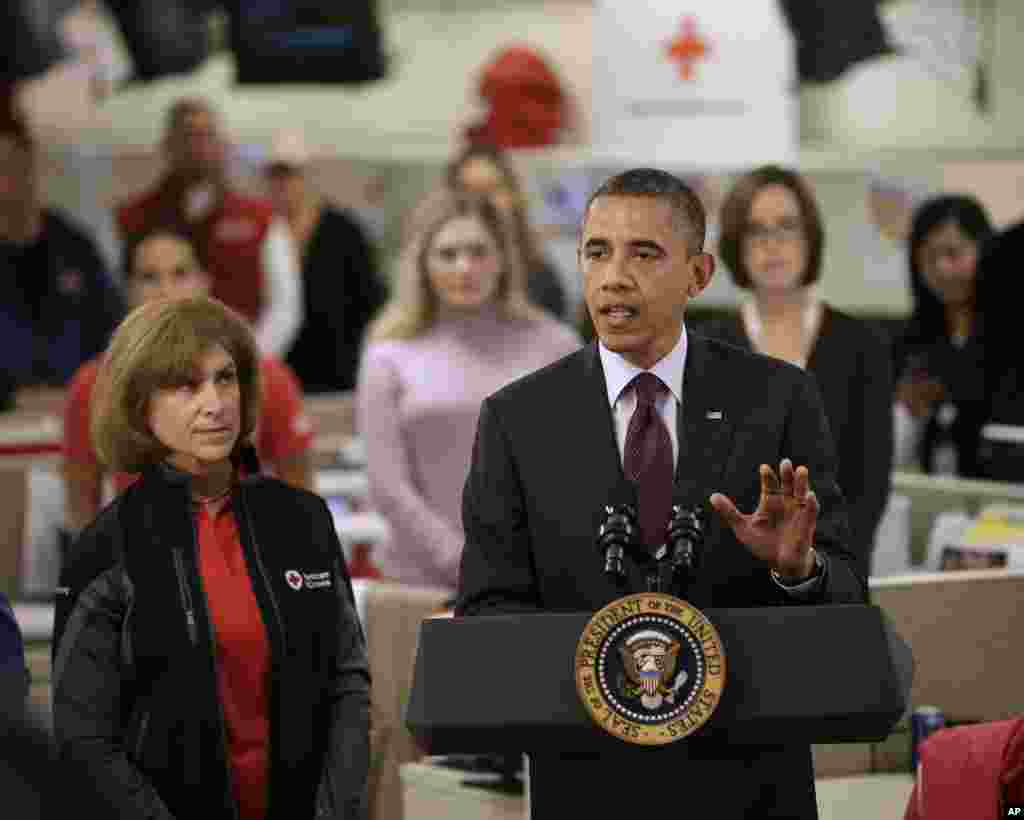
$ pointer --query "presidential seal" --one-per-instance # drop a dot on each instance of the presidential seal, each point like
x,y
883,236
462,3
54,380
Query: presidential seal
x,y
650,669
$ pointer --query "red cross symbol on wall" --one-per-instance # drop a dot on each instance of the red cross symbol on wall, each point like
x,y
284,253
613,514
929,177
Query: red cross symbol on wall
x,y
688,48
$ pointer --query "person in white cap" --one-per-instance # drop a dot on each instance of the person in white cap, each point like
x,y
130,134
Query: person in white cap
x,y
342,289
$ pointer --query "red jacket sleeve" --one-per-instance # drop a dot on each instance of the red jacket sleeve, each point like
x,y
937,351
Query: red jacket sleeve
x,y
284,429
967,771
77,444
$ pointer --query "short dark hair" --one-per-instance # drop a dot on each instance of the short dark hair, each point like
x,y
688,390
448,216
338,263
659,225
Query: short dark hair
x,y
736,220
653,182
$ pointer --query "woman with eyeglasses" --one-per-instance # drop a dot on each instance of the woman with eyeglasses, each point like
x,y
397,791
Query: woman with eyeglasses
x,y
772,243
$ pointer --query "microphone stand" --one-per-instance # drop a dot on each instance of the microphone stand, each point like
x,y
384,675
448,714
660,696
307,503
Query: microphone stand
x,y
670,566
682,552
616,537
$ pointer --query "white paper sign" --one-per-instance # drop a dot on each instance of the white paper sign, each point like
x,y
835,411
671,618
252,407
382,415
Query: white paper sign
x,y
706,84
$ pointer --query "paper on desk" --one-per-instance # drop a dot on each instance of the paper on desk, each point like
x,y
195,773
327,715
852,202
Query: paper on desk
x,y
996,527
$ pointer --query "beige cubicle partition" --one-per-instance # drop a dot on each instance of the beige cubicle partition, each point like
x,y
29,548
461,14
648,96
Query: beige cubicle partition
x,y
333,417
966,631
29,437
394,613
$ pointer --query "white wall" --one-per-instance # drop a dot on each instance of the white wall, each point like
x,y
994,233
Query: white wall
x,y
896,102
888,117
892,102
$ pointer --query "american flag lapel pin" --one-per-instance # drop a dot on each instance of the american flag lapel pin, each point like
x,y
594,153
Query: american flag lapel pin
x,y
714,415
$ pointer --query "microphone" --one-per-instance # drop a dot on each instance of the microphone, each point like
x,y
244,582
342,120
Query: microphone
x,y
615,537
684,541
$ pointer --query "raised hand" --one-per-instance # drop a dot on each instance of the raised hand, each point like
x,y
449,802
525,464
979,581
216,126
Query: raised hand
x,y
781,530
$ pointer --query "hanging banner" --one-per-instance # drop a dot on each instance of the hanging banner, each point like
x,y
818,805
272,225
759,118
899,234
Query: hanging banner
x,y
697,83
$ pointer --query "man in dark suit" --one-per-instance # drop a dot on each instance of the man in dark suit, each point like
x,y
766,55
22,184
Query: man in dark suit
x,y
550,453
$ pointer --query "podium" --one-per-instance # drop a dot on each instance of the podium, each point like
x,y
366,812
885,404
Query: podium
x,y
795,675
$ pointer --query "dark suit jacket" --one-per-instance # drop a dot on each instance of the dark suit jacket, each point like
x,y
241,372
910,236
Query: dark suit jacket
x,y
545,462
852,365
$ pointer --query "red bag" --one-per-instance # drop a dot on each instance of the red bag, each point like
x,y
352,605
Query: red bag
x,y
527,102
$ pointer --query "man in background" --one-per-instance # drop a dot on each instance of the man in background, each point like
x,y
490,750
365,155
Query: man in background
x,y
249,254
58,306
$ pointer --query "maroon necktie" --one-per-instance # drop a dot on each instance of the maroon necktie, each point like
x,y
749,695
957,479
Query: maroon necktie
x,y
648,460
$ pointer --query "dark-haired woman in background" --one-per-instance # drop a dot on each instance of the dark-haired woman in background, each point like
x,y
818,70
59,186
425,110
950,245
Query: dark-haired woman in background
x,y
771,242
944,374
480,169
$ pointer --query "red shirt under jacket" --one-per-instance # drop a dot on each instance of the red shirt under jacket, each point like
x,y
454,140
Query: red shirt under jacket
x,y
243,657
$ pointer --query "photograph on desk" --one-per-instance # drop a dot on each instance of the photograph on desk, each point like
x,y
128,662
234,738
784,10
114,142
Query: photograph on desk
x,y
993,540
954,558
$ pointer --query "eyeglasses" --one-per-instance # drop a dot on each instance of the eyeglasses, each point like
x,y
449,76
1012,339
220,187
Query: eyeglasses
x,y
787,230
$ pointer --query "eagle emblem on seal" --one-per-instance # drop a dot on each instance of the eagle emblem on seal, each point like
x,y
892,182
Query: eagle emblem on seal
x,y
650,659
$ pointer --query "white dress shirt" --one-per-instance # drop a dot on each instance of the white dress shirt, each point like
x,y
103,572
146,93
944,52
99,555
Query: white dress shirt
x,y
618,373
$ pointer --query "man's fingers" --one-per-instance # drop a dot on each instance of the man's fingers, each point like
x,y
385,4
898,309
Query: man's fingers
x,y
786,476
808,520
801,484
770,484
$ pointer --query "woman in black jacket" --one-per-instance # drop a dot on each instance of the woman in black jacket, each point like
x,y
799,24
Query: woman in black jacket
x,y
341,283
772,242
949,361
208,660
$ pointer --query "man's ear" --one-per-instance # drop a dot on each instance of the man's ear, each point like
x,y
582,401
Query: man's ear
x,y
703,271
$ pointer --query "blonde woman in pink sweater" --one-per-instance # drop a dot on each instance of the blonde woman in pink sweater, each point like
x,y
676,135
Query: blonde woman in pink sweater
x,y
458,327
